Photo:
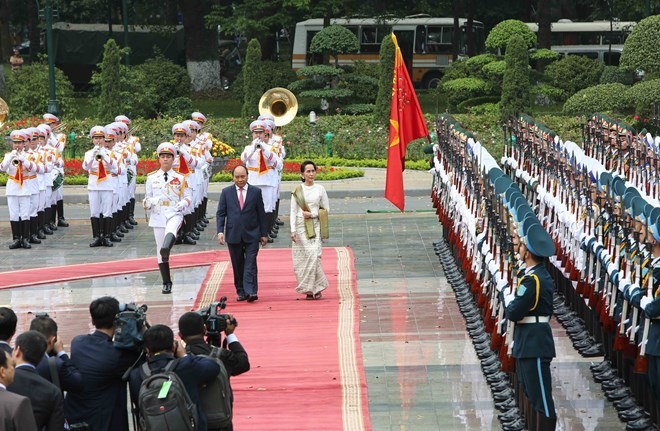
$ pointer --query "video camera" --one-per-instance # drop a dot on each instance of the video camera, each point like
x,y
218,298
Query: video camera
x,y
215,321
131,323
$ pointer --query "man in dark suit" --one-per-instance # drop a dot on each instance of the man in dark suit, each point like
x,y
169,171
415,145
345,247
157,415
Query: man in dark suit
x,y
102,402
241,223
15,410
68,376
8,322
233,355
194,371
47,400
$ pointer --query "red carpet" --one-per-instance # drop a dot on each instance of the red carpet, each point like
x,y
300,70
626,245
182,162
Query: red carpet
x,y
306,363
58,274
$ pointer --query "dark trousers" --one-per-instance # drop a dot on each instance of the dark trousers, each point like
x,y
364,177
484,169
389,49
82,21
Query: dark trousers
x,y
534,377
244,263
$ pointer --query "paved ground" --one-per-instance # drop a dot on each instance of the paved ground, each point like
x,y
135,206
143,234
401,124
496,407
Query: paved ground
x,y
422,372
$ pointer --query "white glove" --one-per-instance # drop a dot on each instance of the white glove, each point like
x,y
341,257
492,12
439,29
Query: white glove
x,y
623,283
436,147
432,171
646,300
153,201
181,205
501,284
21,158
106,158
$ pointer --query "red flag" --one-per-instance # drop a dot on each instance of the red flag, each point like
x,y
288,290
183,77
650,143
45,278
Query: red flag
x,y
406,124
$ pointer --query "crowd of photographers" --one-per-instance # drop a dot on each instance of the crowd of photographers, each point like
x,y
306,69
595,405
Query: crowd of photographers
x,y
88,390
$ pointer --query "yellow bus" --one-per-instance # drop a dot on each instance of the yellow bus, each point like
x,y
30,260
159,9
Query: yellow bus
x,y
425,42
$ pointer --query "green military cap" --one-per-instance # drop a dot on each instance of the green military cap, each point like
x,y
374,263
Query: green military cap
x,y
522,212
508,193
528,221
516,200
637,209
502,183
618,186
538,241
604,181
494,174
655,214
628,196
648,210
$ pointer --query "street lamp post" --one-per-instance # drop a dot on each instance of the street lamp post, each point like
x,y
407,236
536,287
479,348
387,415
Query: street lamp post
x,y
53,104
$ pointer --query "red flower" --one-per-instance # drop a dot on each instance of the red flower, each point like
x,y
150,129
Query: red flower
x,y
636,117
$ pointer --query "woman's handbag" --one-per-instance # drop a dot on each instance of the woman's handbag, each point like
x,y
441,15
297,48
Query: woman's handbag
x,y
323,221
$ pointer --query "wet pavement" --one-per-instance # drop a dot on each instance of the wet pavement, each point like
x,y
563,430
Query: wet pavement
x,y
421,369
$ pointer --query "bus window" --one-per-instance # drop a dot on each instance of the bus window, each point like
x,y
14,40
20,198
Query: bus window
x,y
420,39
439,40
371,37
615,38
589,39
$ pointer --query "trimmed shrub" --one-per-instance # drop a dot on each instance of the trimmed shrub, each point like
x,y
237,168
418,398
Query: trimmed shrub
x,y
252,80
614,74
499,36
386,65
494,72
476,64
334,40
110,81
574,73
515,83
544,54
643,95
544,94
458,69
599,98
28,91
641,49
461,89
470,104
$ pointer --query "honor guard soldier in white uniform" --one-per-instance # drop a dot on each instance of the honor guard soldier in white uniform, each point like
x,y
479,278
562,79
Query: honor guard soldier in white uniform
x,y
167,196
185,164
47,155
57,178
206,138
275,142
262,164
57,140
19,170
198,151
134,147
100,186
34,184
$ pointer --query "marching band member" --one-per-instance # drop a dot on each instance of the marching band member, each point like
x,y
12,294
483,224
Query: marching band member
x,y
134,147
19,170
57,140
185,164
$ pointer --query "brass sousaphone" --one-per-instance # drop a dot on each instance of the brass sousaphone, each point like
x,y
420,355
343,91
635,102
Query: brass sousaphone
x,y
280,103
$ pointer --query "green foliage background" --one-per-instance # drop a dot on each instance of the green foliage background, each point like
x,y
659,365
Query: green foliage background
x,y
28,91
515,83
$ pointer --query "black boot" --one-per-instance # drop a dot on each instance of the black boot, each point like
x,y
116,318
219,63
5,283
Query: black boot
x,y
16,235
131,212
43,225
119,227
204,202
25,234
188,237
50,220
127,224
107,232
168,243
34,230
61,221
96,233
165,274
53,217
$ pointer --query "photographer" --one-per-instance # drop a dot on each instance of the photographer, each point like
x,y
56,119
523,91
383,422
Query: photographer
x,y
67,376
192,331
102,402
193,371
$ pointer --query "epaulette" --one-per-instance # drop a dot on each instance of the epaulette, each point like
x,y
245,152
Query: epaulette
x,y
153,172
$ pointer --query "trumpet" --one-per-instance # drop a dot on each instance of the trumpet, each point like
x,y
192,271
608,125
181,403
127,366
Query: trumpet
x,y
100,153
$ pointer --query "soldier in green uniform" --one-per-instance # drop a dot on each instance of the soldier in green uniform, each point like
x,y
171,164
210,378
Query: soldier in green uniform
x,y
530,307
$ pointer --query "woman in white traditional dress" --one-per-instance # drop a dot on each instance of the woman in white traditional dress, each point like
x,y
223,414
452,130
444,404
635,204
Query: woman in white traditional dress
x,y
306,233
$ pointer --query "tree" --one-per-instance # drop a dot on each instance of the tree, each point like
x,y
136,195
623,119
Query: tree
x,y
515,84
252,79
499,36
108,102
334,40
202,59
641,49
5,37
384,98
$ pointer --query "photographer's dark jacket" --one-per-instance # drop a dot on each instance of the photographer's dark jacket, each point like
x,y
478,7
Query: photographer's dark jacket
x,y
102,402
70,378
193,371
234,356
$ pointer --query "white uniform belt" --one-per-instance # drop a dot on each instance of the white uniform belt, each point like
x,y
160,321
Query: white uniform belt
x,y
534,319
165,203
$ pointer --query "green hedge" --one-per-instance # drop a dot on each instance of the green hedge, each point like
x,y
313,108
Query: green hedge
x,y
599,98
643,95
461,89
574,73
